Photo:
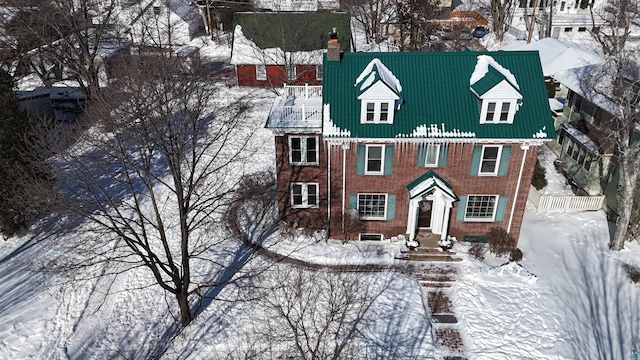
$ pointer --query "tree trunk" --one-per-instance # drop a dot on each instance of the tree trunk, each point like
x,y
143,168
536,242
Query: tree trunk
x,y
625,204
185,309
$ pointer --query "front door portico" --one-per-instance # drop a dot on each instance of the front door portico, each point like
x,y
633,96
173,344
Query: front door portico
x,y
430,202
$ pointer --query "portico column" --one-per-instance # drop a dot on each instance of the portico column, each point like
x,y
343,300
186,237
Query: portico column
x,y
445,220
412,218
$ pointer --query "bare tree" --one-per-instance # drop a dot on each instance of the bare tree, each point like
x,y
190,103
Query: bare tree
x,y
370,14
154,174
63,36
617,84
499,14
413,22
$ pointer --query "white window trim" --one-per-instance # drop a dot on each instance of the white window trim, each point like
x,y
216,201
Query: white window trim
x,y
305,195
426,152
366,160
493,215
370,234
386,204
319,73
303,147
497,112
376,114
495,171
261,72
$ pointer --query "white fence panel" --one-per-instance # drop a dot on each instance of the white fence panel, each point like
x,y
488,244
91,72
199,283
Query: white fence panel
x,y
550,202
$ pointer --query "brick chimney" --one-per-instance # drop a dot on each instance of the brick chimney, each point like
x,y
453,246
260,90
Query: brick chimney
x,y
333,46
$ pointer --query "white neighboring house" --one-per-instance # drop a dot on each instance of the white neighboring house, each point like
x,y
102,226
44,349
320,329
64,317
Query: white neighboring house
x,y
162,23
571,19
297,5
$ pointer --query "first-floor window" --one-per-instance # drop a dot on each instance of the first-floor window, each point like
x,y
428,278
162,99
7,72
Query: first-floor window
x,y
261,72
481,207
304,195
372,206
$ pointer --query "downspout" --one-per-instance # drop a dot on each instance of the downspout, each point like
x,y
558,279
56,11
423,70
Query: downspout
x,y
524,147
344,181
328,182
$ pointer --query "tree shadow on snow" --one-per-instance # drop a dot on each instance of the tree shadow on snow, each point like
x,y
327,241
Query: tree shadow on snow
x,y
601,304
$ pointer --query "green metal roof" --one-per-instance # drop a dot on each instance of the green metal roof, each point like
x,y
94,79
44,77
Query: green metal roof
x,y
436,93
492,78
294,31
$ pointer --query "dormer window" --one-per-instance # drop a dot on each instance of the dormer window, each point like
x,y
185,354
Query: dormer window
x,y
497,90
495,112
379,92
377,112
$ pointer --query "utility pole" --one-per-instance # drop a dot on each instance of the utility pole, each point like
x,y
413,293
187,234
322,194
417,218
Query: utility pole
x,y
533,16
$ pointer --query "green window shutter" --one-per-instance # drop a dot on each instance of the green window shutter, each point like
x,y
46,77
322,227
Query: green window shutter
x,y
391,207
353,201
388,159
502,205
360,154
422,154
444,153
462,207
504,161
475,160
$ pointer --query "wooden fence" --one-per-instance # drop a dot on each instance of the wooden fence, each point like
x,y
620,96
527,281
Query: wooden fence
x,y
550,202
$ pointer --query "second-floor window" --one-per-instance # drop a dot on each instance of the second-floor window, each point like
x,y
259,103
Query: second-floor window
x,y
432,154
319,72
303,150
374,162
489,160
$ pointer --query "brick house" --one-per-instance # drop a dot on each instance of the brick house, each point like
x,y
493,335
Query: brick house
x,y
273,49
401,143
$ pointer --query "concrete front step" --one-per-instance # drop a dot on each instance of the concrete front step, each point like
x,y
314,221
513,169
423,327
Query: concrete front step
x,y
422,250
435,285
430,258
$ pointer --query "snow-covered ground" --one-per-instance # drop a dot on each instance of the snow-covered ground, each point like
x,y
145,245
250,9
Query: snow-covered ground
x,y
569,300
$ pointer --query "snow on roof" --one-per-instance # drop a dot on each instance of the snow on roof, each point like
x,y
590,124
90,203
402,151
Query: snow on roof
x,y
581,137
433,130
245,52
385,74
482,67
555,104
329,128
574,79
556,55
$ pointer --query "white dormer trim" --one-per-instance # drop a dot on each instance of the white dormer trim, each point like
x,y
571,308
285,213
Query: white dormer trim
x,y
500,104
377,104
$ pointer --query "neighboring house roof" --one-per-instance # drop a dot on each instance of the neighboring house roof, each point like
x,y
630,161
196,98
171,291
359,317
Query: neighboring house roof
x,y
266,38
437,98
556,55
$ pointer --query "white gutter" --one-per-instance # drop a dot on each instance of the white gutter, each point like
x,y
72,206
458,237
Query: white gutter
x,y
524,147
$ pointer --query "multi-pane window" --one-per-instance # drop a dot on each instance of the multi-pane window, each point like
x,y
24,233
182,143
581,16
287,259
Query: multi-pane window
x,y
371,111
319,72
304,195
372,206
431,155
504,112
491,111
489,160
481,207
497,111
375,112
261,72
303,150
374,160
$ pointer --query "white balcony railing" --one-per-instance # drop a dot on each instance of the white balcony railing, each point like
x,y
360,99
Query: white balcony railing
x,y
304,113
303,92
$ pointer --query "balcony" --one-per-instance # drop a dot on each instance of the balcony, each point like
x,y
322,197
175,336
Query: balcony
x,y
299,107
